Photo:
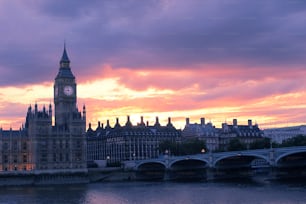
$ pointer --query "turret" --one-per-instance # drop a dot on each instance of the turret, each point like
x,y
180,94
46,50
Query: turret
x,y
156,122
89,127
117,125
84,112
169,123
141,121
107,125
128,122
36,109
50,110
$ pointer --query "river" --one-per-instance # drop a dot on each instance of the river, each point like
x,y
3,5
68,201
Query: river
x,y
159,192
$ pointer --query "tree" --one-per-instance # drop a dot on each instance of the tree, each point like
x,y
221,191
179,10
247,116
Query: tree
x,y
299,140
192,146
262,143
188,146
235,145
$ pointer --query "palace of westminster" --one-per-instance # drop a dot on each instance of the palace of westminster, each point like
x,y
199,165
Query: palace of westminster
x,y
67,146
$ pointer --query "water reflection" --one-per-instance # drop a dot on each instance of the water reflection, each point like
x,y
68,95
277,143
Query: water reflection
x,y
231,192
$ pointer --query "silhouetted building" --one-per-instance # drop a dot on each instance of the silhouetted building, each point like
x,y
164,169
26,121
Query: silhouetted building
x,y
203,131
128,142
246,134
42,147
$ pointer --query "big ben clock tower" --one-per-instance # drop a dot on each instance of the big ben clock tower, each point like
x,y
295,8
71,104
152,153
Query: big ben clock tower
x,y
65,93
61,147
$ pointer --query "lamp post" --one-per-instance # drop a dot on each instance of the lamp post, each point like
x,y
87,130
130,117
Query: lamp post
x,y
107,160
134,156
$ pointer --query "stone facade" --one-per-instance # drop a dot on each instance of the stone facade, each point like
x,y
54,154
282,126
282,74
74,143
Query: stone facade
x,y
15,151
219,138
278,135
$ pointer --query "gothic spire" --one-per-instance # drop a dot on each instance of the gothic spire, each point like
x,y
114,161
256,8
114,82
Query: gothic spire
x,y
65,71
65,59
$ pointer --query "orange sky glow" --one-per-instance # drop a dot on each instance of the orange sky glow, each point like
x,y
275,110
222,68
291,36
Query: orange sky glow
x,y
167,93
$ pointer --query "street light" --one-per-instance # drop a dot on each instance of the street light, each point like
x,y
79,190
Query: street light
x,y
203,151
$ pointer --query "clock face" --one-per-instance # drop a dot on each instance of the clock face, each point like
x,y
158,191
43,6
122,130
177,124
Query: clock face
x,y
68,90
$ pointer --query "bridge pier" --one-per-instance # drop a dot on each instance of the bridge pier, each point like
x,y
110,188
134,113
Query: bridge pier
x,y
210,174
272,157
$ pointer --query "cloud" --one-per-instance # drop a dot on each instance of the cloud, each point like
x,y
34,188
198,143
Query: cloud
x,y
152,33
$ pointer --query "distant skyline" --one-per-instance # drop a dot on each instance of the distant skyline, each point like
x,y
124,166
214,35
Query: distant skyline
x,y
168,58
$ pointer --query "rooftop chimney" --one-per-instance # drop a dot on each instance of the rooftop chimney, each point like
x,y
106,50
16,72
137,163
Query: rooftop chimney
x,y
202,121
187,121
250,123
235,122
141,121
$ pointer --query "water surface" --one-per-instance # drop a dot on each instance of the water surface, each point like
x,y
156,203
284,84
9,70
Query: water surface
x,y
159,192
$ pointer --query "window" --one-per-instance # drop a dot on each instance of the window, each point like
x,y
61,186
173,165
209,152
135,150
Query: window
x,y
24,158
24,146
78,144
78,156
5,159
43,157
15,145
15,158
5,146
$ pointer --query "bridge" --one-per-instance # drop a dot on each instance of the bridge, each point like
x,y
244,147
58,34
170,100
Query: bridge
x,y
276,158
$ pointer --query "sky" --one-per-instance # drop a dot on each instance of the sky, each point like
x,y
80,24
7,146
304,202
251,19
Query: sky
x,y
217,59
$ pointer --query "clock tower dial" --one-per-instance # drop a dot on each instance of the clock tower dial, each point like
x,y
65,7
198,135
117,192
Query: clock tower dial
x,y
68,90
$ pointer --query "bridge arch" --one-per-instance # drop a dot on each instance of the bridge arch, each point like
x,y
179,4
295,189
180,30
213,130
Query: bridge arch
x,y
152,170
188,159
188,163
188,168
235,156
298,152
147,165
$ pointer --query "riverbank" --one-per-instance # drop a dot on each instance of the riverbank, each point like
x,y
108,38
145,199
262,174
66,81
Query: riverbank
x,y
118,174
50,178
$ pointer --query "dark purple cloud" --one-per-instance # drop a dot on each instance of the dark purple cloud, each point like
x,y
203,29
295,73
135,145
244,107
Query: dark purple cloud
x,y
150,33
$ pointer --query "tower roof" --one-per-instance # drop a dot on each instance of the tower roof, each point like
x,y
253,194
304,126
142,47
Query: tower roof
x,y
65,57
65,71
